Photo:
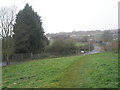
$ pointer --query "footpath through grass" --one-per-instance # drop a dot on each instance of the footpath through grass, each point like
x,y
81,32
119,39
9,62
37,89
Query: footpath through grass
x,y
89,71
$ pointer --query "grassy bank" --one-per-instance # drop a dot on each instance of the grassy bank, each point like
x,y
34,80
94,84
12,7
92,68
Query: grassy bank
x,y
89,71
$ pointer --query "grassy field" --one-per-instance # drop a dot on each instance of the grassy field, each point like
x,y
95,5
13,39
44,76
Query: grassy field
x,y
88,71
79,44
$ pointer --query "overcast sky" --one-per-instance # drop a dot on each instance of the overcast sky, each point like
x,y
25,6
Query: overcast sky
x,y
69,15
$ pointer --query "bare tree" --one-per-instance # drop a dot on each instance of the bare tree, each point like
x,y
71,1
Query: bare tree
x,y
107,36
7,19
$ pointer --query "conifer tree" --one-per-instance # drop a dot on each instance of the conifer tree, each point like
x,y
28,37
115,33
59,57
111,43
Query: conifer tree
x,y
28,32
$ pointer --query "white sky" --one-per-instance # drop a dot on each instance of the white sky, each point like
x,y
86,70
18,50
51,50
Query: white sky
x,y
69,15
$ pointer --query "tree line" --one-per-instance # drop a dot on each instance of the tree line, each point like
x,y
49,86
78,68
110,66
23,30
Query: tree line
x,y
21,32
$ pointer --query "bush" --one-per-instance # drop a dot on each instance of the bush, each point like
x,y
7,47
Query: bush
x,y
43,55
86,47
115,46
111,46
62,47
106,48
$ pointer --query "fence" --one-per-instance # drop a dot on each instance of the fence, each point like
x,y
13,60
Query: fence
x,y
19,58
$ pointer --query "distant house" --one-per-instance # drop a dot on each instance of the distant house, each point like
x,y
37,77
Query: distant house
x,y
73,35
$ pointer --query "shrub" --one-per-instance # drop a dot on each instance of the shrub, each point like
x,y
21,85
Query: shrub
x,y
115,46
43,55
62,47
86,47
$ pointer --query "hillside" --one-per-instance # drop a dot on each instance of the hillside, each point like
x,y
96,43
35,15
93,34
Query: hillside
x,y
87,71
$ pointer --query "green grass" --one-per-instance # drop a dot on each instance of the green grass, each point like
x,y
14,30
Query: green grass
x,y
89,71
79,44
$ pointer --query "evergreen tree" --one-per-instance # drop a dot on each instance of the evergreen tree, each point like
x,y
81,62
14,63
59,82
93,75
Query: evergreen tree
x,y
28,32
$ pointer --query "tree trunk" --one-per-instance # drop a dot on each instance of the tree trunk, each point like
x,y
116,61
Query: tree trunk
x,y
8,62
